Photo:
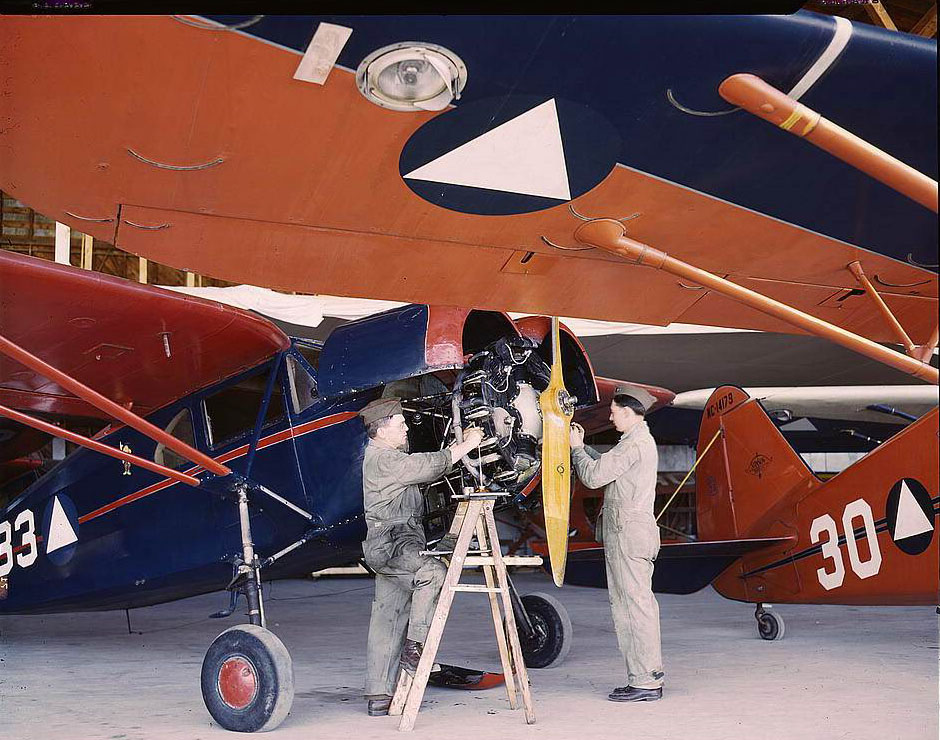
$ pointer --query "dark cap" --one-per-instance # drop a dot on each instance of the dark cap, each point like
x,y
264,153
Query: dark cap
x,y
380,408
646,399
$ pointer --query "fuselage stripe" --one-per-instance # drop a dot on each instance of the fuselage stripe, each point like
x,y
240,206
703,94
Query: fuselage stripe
x,y
880,526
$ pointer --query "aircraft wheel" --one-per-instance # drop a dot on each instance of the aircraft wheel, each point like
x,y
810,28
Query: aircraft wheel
x,y
770,625
553,633
248,679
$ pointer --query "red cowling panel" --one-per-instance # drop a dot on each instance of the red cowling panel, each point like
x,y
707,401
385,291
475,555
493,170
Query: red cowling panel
x,y
443,344
108,333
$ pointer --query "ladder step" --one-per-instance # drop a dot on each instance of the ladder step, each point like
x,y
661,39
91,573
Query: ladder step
x,y
476,589
474,560
447,553
475,517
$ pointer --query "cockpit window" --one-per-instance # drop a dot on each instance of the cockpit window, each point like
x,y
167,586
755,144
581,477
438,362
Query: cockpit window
x,y
181,427
303,386
232,411
311,354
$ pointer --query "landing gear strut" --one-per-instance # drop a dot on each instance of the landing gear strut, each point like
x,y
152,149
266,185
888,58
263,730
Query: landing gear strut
x,y
770,625
544,628
247,676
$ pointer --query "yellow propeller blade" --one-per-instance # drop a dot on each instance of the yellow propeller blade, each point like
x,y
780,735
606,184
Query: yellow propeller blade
x,y
557,410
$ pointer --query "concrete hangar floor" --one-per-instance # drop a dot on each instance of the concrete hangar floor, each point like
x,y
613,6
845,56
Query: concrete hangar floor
x,y
840,672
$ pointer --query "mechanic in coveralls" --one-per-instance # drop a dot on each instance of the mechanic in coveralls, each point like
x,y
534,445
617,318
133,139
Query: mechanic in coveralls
x,y
630,537
407,584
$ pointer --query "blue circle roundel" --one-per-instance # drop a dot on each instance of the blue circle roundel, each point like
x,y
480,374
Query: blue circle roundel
x,y
508,155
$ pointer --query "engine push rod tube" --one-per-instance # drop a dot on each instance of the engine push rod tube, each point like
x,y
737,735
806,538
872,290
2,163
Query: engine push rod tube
x,y
610,236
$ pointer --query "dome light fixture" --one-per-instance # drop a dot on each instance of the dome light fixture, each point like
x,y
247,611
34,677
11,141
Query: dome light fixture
x,y
411,76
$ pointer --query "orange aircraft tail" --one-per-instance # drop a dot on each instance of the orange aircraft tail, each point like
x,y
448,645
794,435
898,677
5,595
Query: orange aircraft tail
x,y
749,468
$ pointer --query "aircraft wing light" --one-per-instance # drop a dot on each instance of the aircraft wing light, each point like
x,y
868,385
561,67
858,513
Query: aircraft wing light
x,y
412,77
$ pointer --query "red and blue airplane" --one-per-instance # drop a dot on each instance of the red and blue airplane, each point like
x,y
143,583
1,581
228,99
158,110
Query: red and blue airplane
x,y
235,451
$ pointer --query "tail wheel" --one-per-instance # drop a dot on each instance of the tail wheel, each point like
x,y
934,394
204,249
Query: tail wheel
x,y
770,625
552,640
248,679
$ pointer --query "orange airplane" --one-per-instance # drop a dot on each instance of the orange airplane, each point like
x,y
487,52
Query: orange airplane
x,y
865,536
770,531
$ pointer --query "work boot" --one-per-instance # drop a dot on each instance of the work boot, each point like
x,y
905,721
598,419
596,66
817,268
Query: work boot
x,y
631,693
410,655
378,706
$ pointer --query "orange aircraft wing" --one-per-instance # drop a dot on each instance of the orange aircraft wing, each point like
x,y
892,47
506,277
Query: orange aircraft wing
x,y
226,165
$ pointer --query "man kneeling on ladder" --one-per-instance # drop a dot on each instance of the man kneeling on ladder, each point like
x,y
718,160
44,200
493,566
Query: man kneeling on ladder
x,y
407,583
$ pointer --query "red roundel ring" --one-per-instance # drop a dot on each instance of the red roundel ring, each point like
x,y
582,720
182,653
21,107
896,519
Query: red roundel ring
x,y
237,682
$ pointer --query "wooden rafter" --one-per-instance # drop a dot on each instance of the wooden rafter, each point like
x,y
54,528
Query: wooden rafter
x,y
876,11
927,25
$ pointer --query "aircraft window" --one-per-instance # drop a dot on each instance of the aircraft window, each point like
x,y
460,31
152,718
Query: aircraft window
x,y
303,388
181,427
232,411
311,354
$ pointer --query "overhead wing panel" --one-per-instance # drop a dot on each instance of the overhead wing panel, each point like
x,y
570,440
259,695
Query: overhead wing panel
x,y
224,163
135,344
585,284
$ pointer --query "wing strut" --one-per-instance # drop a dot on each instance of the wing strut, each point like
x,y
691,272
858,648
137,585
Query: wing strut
x,y
111,408
856,269
91,444
765,101
610,236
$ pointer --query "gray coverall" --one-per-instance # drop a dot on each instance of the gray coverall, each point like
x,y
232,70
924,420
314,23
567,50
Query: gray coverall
x,y
631,542
407,584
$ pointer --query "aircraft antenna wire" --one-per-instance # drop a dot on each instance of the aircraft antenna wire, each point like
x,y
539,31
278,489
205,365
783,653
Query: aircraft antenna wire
x,y
689,474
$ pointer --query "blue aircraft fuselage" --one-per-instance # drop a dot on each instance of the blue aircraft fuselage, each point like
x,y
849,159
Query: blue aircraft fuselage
x,y
96,534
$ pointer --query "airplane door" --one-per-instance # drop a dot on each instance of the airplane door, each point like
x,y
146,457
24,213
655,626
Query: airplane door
x,y
329,441
231,412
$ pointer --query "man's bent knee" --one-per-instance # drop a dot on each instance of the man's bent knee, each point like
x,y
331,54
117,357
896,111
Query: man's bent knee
x,y
431,574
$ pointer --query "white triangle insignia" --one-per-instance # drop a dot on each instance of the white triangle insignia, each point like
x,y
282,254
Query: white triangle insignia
x,y
911,519
800,425
61,533
524,155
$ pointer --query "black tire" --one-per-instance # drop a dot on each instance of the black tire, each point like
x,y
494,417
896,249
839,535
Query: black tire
x,y
248,679
552,625
770,626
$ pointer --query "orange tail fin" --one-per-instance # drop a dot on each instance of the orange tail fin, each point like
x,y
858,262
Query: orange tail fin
x,y
749,468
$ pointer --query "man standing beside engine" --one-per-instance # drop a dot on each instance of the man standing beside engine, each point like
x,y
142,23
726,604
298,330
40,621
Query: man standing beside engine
x,y
630,537
407,583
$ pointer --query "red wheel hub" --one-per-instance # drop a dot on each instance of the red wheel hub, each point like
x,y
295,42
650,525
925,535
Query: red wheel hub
x,y
238,682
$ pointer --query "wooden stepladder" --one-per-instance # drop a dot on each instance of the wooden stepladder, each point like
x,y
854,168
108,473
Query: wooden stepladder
x,y
474,515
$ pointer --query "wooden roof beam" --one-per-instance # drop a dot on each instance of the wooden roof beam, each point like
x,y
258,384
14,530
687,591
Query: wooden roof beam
x,y
879,16
927,25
